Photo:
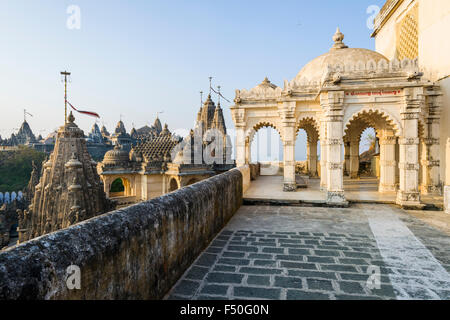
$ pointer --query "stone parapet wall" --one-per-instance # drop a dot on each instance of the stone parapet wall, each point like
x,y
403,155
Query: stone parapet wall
x,y
255,170
246,177
138,252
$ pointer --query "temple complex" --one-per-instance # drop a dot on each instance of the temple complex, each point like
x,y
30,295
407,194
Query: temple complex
x,y
24,136
98,141
161,162
69,190
334,98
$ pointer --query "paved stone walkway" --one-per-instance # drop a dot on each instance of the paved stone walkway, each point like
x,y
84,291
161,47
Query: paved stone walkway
x,y
364,189
321,253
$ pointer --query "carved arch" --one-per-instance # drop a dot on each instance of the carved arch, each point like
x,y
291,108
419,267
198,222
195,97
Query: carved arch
x,y
173,184
310,125
250,133
375,118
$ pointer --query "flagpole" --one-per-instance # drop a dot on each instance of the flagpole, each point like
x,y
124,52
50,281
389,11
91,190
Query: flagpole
x,y
65,74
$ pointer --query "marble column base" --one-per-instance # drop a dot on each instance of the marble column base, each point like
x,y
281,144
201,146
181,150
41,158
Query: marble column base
x,y
409,200
336,198
447,199
290,187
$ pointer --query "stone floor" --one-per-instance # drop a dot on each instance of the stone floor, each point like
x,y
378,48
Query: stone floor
x,y
364,189
270,252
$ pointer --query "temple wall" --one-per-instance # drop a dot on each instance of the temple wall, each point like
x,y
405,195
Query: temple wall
x,y
434,55
138,252
386,37
155,186
445,131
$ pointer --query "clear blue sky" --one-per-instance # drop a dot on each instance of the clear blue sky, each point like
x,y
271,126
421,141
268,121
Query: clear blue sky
x,y
138,57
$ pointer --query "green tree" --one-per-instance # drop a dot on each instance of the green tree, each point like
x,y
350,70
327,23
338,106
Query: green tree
x,y
370,141
117,186
15,167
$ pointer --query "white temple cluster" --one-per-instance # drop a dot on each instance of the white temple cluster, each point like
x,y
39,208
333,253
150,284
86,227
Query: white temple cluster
x,y
161,162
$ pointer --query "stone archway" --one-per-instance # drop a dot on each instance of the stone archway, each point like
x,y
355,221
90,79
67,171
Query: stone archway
x,y
269,169
311,127
173,185
119,187
387,132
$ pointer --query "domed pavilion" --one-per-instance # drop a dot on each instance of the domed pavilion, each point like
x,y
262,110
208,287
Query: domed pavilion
x,y
334,98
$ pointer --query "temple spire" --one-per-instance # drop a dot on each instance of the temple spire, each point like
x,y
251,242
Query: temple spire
x,y
68,177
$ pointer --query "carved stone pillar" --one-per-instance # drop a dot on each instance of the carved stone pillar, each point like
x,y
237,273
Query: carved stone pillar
x,y
388,165
289,183
354,158
408,194
332,103
248,156
240,146
347,158
287,113
430,158
238,115
323,155
447,179
312,157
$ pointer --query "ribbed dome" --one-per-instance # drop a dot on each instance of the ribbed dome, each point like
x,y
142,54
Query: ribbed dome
x,y
117,155
339,54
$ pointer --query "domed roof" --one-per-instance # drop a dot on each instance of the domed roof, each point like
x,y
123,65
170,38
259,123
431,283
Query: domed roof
x,y
117,155
338,54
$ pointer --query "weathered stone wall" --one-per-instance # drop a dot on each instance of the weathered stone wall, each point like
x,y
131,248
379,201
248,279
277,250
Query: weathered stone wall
x,y
255,170
137,252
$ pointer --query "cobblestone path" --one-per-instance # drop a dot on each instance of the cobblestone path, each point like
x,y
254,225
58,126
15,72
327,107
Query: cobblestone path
x,y
363,252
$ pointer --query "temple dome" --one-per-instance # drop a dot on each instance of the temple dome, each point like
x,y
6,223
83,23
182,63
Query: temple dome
x,y
117,155
338,54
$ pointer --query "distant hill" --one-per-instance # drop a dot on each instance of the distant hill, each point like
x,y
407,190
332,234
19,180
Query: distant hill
x,y
15,168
